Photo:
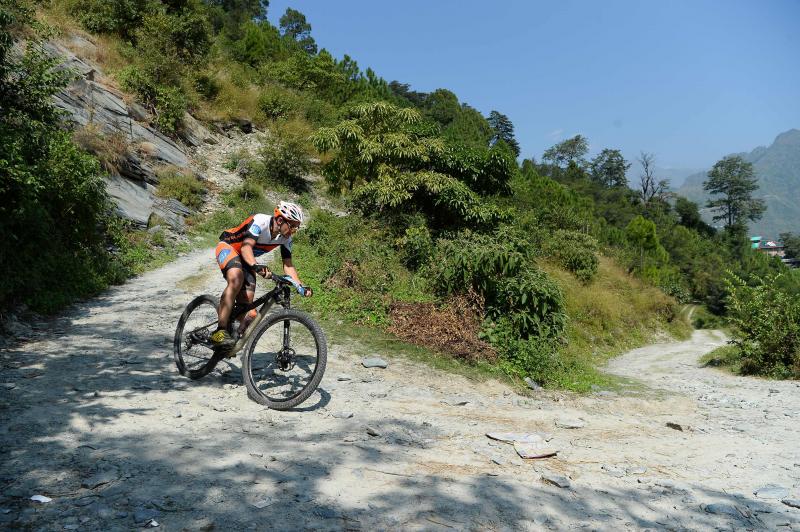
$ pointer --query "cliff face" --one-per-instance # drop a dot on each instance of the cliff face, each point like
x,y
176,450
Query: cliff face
x,y
91,101
778,170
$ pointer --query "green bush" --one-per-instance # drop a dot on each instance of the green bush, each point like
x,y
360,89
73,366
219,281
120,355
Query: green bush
x,y
574,251
248,191
207,86
499,267
766,322
168,104
416,246
536,358
319,112
182,186
169,107
54,202
284,159
276,102
121,17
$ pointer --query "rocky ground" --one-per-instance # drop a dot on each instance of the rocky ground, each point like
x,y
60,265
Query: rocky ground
x,y
96,420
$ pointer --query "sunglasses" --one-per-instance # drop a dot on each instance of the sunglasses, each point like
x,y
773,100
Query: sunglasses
x,y
293,226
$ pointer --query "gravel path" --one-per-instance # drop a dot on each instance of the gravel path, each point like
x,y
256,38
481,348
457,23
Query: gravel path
x,y
96,418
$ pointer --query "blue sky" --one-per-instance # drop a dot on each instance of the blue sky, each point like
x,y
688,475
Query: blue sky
x,y
689,81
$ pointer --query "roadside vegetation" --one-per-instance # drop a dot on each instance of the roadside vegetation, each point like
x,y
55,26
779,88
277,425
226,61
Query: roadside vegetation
x,y
542,269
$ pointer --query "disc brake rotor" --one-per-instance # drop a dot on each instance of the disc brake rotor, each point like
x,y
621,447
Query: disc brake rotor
x,y
285,359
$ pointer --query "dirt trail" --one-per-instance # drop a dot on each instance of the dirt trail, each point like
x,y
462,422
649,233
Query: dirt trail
x,y
95,416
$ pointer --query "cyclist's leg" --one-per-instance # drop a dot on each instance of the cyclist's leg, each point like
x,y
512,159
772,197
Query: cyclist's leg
x,y
246,295
230,264
235,278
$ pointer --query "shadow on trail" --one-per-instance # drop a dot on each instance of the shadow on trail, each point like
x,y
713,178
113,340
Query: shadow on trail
x,y
184,474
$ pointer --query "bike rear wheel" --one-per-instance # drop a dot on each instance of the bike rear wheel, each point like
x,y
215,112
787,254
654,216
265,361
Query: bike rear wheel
x,y
285,359
192,344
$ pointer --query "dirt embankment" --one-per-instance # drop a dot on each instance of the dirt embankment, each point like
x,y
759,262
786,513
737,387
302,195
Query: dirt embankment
x,y
95,417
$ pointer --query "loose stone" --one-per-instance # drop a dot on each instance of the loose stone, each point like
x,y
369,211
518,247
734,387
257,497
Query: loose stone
x,y
556,480
771,491
374,362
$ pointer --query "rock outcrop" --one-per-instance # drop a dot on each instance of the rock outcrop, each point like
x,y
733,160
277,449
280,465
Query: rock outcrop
x,y
89,101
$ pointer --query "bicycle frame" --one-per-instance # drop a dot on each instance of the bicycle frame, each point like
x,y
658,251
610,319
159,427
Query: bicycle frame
x,y
281,294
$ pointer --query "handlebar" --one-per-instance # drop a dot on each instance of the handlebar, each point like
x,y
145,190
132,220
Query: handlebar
x,y
283,280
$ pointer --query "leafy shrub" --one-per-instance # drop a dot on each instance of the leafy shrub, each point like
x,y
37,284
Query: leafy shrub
x,y
276,102
416,246
248,191
766,322
319,112
182,186
533,357
501,270
703,319
53,192
484,170
676,289
362,274
121,17
182,34
207,86
284,158
169,107
574,251
168,104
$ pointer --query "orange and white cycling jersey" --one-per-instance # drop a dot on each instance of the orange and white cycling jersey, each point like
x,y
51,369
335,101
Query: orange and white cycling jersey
x,y
257,228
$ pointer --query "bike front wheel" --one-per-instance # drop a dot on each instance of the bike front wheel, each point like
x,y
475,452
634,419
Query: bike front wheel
x,y
284,360
192,346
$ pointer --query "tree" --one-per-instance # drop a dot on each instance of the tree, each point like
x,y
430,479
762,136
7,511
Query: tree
x,y
641,233
503,131
122,17
469,128
259,41
569,151
295,28
403,90
442,105
734,179
391,168
689,216
45,180
651,189
609,168
230,16
792,244
306,72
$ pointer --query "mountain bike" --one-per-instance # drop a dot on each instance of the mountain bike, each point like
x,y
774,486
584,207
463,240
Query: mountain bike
x,y
284,352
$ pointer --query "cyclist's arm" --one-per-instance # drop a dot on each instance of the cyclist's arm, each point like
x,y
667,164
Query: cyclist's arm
x,y
290,270
246,251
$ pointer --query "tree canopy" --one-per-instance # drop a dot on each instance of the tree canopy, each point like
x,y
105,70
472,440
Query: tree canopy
x,y
609,168
733,179
569,151
503,131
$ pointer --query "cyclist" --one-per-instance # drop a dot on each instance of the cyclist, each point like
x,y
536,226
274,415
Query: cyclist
x,y
236,257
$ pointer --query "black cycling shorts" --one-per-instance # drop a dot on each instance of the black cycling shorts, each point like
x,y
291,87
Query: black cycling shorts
x,y
227,258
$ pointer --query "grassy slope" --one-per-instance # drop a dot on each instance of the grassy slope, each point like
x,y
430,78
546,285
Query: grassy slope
x,y
613,314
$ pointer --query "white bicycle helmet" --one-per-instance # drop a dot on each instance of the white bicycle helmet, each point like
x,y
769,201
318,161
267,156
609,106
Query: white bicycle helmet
x,y
290,211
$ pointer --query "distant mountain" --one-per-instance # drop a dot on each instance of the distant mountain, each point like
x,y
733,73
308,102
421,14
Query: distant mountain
x,y
778,170
675,176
